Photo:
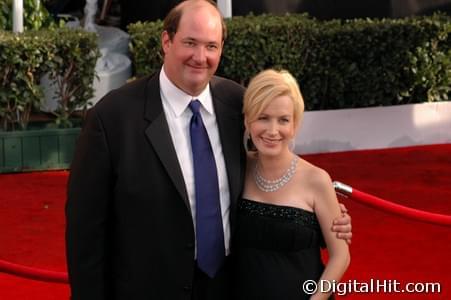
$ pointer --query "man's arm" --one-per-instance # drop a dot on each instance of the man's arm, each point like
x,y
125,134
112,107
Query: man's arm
x,y
88,193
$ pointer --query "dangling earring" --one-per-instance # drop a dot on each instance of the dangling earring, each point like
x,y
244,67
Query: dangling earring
x,y
247,142
291,145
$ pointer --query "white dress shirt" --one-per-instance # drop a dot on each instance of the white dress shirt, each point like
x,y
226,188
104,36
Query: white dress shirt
x,y
178,115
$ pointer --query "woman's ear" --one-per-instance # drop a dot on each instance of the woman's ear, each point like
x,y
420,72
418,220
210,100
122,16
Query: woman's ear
x,y
246,125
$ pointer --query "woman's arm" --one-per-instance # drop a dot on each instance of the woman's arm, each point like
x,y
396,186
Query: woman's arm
x,y
327,209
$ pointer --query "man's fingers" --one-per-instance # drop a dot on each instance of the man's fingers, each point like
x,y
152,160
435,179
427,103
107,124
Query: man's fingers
x,y
343,220
343,208
342,225
345,228
345,236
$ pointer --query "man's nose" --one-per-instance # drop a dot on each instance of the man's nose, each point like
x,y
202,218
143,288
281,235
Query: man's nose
x,y
199,54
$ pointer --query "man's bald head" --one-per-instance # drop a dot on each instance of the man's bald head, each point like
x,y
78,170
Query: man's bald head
x,y
172,20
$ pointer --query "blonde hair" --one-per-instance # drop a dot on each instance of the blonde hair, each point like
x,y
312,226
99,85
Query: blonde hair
x,y
268,85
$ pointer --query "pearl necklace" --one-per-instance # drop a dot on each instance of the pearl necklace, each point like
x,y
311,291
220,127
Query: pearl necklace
x,y
267,185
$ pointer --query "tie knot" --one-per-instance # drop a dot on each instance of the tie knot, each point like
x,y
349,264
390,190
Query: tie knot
x,y
194,106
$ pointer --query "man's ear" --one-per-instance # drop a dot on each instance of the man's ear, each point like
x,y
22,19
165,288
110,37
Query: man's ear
x,y
165,41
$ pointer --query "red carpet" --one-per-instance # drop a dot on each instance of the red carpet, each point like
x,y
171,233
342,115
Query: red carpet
x,y
385,246
32,232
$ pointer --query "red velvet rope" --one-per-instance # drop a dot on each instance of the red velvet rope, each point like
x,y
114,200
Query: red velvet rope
x,y
404,211
32,273
401,210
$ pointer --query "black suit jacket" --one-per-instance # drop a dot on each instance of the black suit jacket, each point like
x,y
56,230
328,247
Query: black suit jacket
x,y
129,232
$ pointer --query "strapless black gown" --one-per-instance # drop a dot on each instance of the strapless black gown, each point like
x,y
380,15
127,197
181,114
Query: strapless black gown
x,y
276,249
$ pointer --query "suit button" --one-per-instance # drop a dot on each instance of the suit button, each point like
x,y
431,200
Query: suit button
x,y
190,246
187,288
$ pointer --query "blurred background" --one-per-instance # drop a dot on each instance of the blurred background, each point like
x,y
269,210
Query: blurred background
x,y
124,12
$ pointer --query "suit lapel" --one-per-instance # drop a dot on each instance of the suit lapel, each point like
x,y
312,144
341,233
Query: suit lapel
x,y
230,132
159,136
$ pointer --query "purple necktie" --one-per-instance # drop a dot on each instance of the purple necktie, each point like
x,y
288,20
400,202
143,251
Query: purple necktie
x,y
209,230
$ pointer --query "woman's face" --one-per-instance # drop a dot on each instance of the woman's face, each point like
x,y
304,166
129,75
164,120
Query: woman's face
x,y
274,127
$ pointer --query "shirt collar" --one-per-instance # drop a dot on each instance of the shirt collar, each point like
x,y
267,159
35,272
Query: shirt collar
x,y
178,100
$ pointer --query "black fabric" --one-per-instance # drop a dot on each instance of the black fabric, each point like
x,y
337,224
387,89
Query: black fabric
x,y
217,288
276,249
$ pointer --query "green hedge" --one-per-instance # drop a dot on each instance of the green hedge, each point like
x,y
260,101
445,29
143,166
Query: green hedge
x,y
35,15
67,55
356,63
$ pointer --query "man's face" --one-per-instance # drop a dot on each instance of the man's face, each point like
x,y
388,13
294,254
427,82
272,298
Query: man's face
x,y
193,55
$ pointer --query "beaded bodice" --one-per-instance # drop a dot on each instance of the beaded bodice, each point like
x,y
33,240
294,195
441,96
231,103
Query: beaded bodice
x,y
277,227
288,213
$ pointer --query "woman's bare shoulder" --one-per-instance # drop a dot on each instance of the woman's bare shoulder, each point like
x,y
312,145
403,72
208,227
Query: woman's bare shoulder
x,y
315,176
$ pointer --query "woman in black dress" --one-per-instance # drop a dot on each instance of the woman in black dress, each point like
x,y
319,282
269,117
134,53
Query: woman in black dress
x,y
288,204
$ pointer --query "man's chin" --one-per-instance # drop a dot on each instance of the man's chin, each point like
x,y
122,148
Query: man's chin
x,y
195,88
198,77
198,83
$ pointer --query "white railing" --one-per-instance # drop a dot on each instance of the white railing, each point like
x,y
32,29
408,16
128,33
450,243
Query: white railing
x,y
17,16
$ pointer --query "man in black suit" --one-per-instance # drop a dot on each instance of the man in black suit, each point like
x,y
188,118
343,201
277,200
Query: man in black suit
x,y
131,192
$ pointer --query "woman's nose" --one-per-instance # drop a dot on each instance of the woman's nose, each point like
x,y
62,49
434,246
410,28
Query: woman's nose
x,y
272,128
